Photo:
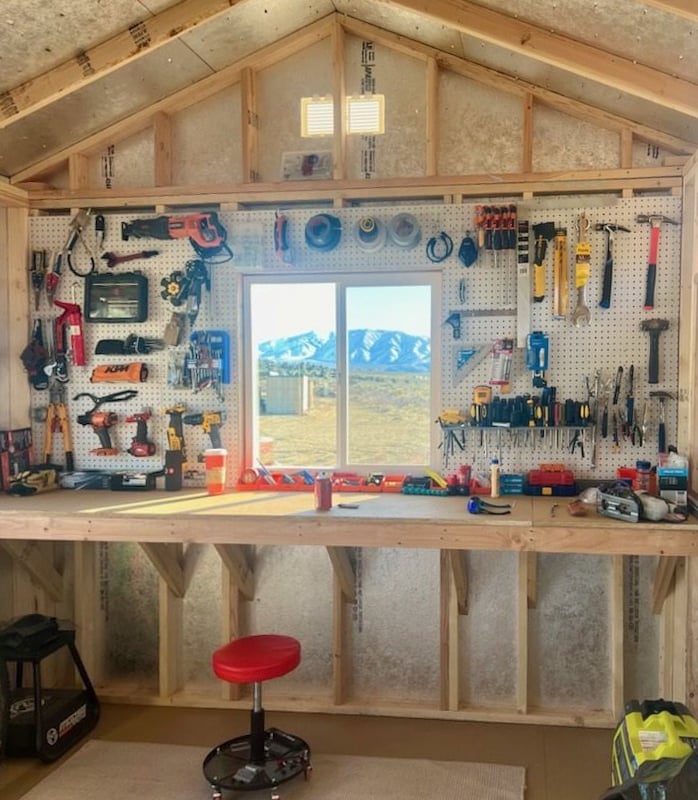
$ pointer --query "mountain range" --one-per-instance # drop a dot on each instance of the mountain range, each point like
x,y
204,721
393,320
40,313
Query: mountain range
x,y
382,351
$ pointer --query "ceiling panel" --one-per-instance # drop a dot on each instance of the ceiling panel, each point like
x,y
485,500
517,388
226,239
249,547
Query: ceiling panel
x,y
95,106
627,27
37,35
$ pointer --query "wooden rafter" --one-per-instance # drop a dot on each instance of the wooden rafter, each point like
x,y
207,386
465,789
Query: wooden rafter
x,y
137,40
583,60
682,8
506,83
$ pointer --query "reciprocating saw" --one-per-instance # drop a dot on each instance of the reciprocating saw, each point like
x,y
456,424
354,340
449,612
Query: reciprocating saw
x,y
204,230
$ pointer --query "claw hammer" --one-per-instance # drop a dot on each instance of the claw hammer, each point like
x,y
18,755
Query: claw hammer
x,y
610,230
655,221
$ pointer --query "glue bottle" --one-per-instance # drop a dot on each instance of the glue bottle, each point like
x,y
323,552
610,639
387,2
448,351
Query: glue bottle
x,y
494,478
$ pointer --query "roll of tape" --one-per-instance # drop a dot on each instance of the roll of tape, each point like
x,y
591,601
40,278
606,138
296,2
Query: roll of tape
x,y
370,233
323,232
404,230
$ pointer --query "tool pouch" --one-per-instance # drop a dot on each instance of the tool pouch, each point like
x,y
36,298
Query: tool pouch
x,y
34,481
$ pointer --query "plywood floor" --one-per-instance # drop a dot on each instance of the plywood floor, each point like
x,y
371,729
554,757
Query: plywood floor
x,y
560,762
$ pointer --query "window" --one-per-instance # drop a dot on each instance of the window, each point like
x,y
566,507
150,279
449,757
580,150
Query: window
x,y
338,371
317,116
365,115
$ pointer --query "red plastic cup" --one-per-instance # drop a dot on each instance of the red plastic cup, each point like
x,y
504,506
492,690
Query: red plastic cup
x,y
215,460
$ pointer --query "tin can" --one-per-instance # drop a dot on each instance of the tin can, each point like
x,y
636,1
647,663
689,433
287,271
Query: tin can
x,y
323,492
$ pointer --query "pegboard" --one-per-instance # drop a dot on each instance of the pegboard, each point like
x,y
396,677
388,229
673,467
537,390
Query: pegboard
x,y
484,295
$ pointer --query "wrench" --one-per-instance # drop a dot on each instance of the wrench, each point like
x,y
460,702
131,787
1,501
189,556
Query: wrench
x,y
581,314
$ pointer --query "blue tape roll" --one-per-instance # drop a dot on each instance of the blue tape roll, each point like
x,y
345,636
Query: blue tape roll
x,y
323,232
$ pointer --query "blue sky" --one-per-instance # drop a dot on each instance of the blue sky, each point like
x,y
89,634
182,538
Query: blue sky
x,y
293,308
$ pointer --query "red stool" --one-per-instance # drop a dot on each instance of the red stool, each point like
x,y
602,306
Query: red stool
x,y
260,759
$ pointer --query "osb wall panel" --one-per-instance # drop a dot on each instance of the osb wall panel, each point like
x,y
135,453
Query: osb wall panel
x,y
400,151
561,142
279,89
124,164
215,158
480,128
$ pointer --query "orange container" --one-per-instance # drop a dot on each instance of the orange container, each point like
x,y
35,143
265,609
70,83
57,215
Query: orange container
x,y
215,461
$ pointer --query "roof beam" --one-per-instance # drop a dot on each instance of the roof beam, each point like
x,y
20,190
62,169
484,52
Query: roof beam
x,y
560,51
506,83
682,8
140,38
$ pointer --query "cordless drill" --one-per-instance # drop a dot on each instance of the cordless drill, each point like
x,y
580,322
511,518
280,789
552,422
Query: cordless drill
x,y
141,446
210,422
100,422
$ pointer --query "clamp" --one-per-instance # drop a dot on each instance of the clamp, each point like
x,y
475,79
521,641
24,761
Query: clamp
x,y
478,506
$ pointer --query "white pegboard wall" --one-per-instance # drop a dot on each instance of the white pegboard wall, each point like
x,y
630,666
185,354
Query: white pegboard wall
x,y
49,233
613,337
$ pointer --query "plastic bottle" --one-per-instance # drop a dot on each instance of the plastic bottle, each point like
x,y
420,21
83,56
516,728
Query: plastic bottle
x,y
642,476
323,492
494,478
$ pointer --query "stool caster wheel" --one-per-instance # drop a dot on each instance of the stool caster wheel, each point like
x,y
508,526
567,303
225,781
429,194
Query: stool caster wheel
x,y
217,794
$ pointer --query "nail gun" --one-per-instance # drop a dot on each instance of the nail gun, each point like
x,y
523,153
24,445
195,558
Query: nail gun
x,y
204,231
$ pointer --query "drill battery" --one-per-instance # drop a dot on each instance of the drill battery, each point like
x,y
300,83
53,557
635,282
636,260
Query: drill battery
x,y
651,745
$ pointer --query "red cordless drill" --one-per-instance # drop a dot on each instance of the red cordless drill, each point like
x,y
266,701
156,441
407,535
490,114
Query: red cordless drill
x,y
141,446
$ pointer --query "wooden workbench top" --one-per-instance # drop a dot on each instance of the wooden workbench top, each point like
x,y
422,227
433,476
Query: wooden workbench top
x,y
380,520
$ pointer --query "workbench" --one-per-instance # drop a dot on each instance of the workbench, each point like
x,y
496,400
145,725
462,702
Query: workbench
x,y
166,524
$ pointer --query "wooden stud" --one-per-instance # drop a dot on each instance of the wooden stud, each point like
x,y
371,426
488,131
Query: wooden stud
x,y
532,580
527,138
450,660
250,126
340,648
617,642
231,627
89,606
343,571
432,117
460,579
339,139
162,149
78,172
626,148
171,640
522,633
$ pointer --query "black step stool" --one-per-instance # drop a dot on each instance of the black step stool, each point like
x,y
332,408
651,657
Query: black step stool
x,y
38,721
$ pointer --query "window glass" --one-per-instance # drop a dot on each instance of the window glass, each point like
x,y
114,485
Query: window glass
x,y
340,372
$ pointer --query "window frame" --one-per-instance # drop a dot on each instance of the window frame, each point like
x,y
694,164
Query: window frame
x,y
342,281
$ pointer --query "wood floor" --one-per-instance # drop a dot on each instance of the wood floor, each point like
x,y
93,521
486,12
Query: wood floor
x,y
560,762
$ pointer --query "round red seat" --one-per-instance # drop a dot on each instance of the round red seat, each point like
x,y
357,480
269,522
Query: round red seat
x,y
252,659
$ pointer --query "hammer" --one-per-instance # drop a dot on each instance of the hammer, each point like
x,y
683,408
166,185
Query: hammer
x,y
654,327
661,429
655,221
609,229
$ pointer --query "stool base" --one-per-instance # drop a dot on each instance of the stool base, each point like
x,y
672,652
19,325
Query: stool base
x,y
228,766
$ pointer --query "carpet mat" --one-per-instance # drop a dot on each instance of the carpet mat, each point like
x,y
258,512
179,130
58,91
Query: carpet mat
x,y
119,770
